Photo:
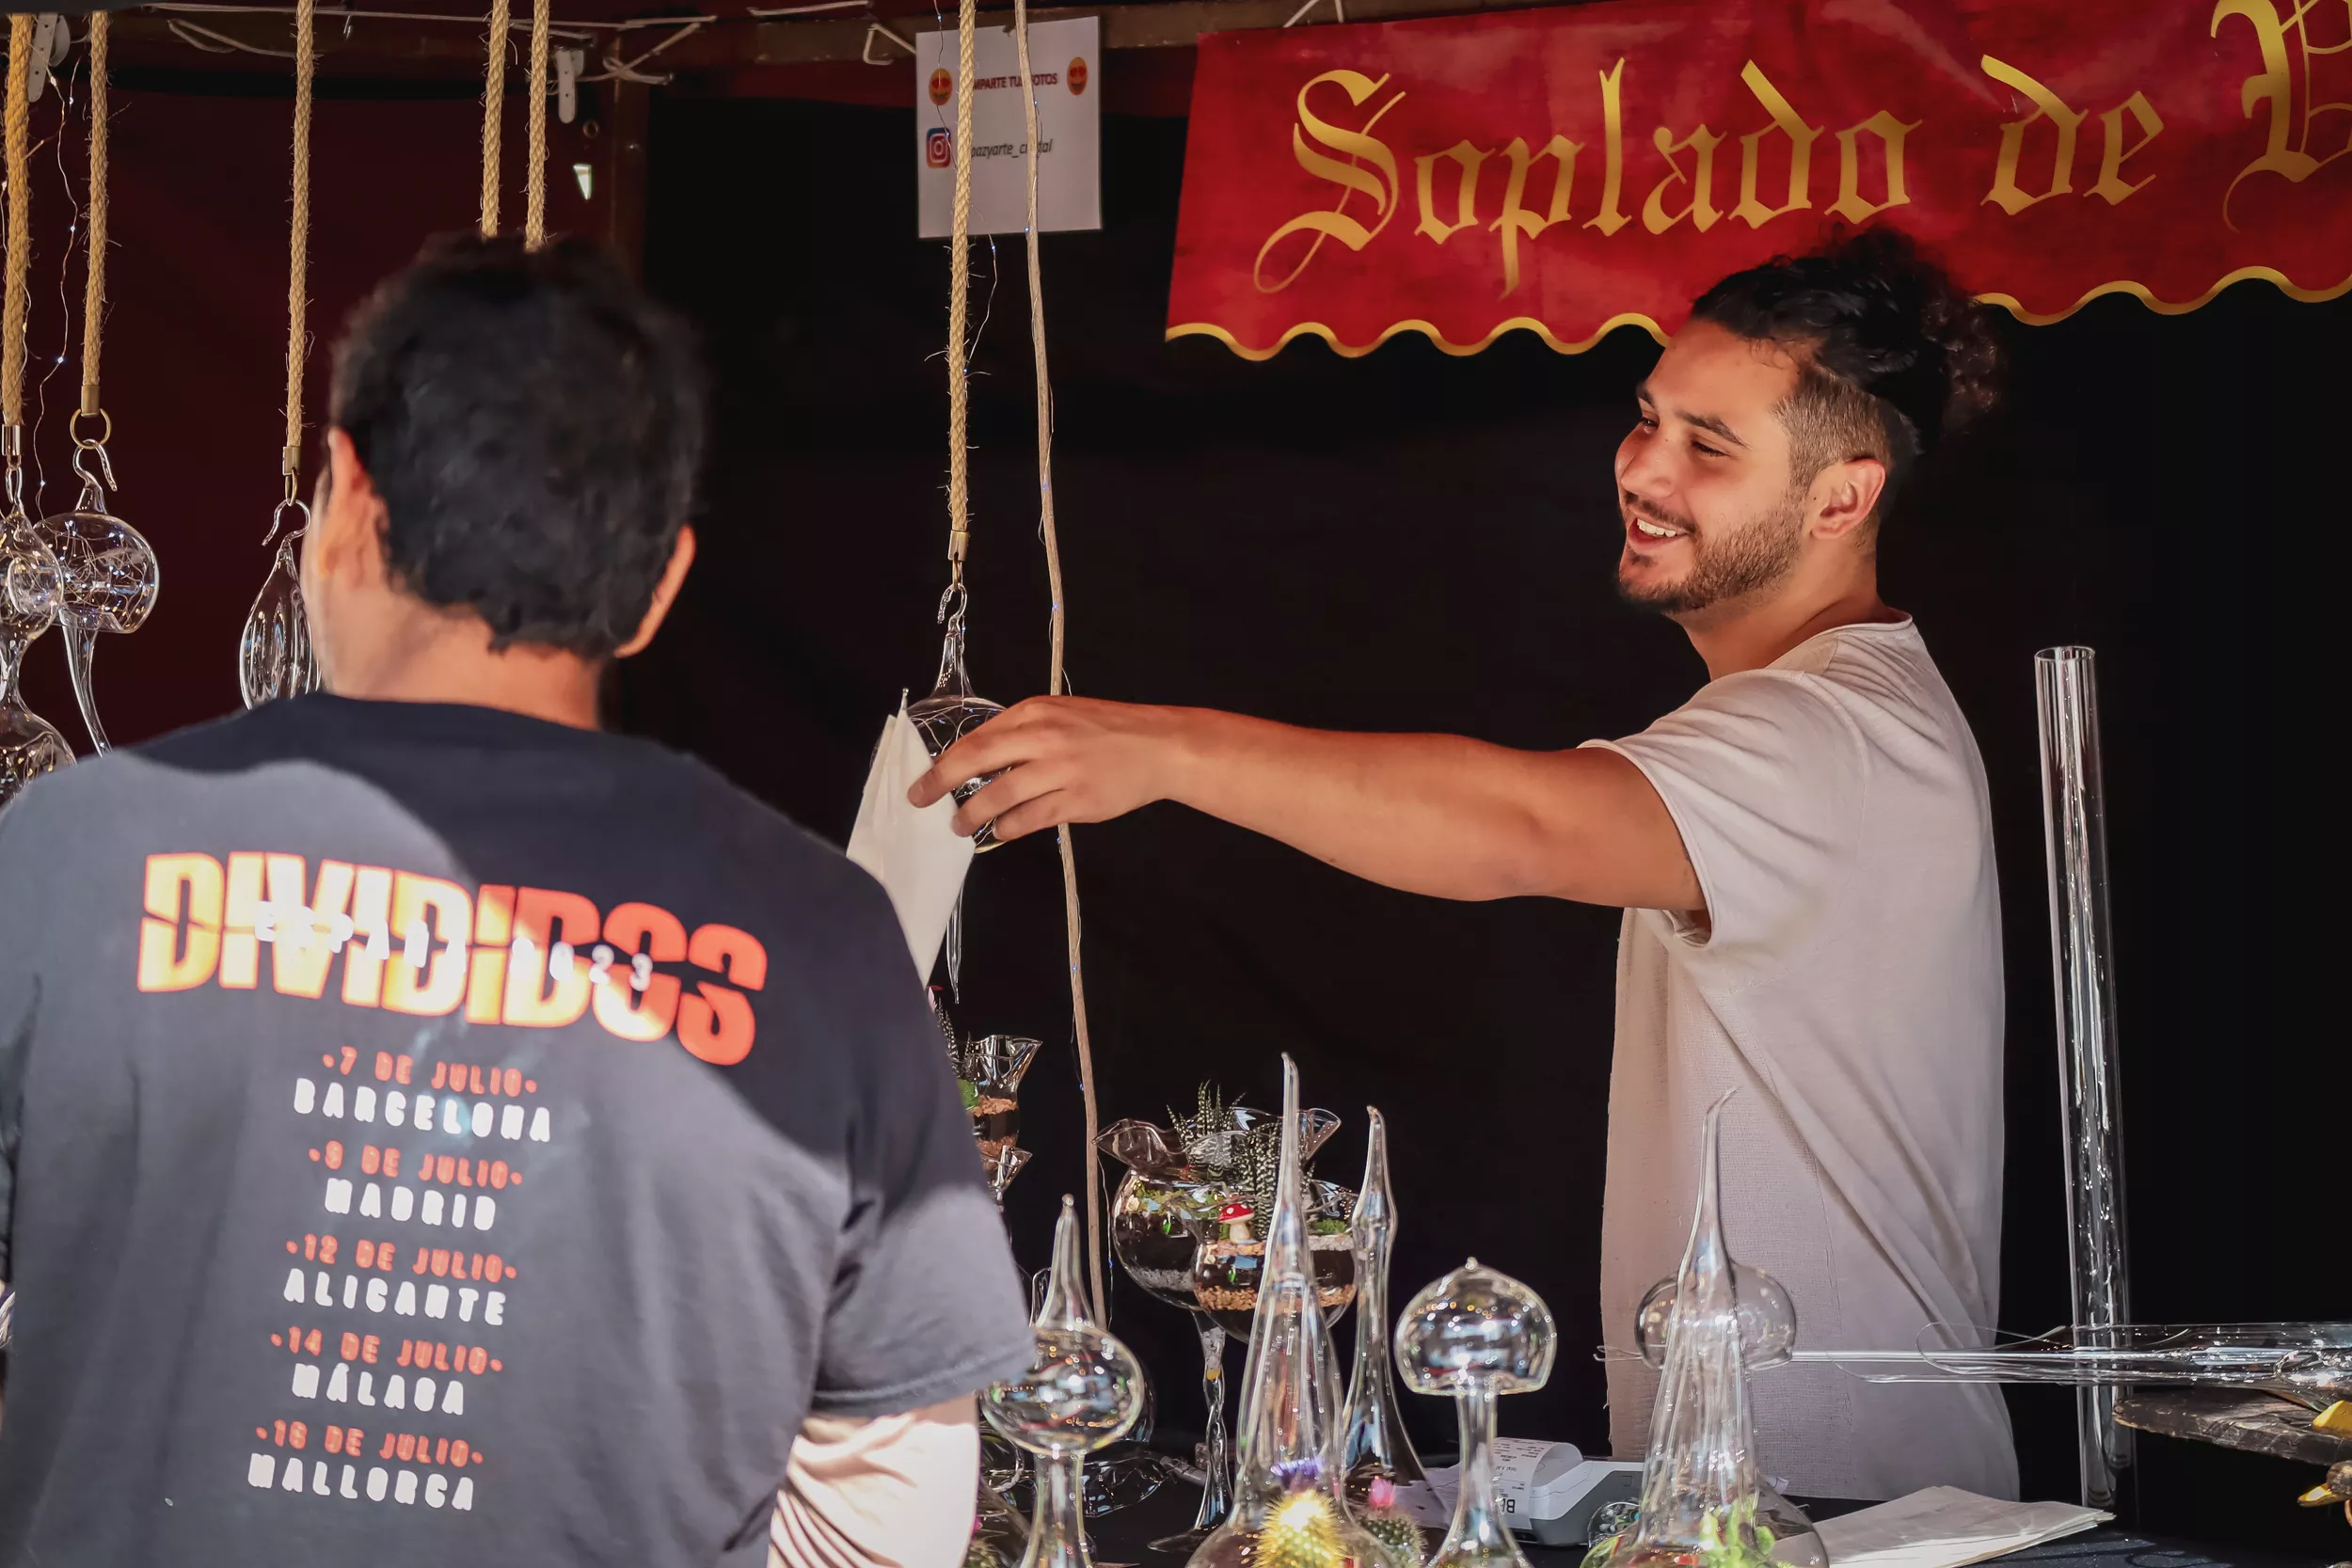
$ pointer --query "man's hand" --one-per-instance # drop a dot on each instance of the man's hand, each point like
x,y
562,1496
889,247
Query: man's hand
x,y
1062,759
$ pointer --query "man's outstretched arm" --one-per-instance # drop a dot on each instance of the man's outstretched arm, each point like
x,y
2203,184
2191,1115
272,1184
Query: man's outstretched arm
x,y
1434,814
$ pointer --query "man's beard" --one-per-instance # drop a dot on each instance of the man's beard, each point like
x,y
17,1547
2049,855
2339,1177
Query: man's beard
x,y
1745,560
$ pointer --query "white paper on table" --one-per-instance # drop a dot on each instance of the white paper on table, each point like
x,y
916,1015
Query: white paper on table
x,y
1946,1528
917,856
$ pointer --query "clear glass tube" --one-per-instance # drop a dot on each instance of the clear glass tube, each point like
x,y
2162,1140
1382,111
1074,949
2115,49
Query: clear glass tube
x,y
2310,1362
2073,817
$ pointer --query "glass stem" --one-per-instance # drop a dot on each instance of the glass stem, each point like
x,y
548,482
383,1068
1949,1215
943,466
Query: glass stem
x,y
1479,1531
1058,1530
81,649
1216,1459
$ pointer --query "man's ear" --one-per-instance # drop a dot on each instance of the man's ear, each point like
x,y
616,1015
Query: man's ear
x,y
664,594
1844,495
348,533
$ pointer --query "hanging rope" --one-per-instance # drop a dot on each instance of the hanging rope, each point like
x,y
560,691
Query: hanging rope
x,y
298,250
18,128
94,289
1056,679
535,188
493,112
960,306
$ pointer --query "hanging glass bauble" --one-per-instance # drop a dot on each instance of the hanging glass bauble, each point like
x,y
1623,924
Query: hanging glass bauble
x,y
274,657
106,581
1705,1502
951,711
1289,1509
29,744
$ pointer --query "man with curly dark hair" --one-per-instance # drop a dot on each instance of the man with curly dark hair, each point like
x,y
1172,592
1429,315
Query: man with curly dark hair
x,y
1803,851
433,1130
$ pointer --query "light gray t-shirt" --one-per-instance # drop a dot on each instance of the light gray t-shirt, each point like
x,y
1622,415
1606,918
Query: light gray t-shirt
x,y
1846,979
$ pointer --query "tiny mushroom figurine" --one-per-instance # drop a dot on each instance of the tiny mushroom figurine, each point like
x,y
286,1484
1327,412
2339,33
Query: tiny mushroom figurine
x,y
1236,1218
1475,1334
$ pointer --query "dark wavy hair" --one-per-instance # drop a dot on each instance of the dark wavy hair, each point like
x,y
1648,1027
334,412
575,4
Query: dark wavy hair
x,y
1892,355
534,423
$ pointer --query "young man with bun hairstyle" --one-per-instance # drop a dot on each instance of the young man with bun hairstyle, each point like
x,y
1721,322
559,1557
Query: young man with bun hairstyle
x,y
435,1131
1803,851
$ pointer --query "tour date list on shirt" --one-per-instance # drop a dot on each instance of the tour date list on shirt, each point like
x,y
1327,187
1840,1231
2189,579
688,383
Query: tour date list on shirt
x,y
397,1300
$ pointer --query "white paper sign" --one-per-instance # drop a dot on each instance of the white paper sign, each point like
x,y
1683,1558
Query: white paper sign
x,y
1066,60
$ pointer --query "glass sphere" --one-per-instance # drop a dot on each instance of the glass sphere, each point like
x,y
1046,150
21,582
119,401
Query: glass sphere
x,y
1766,1316
106,576
1476,1325
28,583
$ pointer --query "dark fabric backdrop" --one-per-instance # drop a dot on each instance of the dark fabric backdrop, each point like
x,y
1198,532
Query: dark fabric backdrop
x,y
1403,542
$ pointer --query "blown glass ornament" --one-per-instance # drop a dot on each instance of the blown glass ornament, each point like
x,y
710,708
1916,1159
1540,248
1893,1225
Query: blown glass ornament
x,y
29,744
1476,1334
1375,1445
1082,1390
1290,1508
274,657
106,579
1704,1501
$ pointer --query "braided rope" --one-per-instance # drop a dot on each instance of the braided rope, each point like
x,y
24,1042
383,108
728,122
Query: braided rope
x,y
299,240
18,132
959,302
493,111
536,186
94,288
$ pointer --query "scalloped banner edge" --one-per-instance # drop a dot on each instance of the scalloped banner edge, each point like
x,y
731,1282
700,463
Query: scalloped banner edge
x,y
1634,318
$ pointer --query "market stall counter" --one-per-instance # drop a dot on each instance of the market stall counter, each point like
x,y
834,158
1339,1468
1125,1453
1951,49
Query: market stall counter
x,y
1121,1537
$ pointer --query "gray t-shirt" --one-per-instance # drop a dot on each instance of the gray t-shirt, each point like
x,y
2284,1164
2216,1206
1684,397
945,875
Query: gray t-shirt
x,y
433,1135
1847,982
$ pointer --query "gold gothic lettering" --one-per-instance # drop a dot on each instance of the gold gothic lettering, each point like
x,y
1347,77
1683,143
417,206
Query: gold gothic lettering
x,y
2273,90
2112,186
1517,222
1379,182
1700,209
1612,217
2007,194
1786,122
1466,196
1850,203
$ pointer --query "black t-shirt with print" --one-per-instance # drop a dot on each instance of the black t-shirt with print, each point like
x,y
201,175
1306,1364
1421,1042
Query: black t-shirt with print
x,y
435,1134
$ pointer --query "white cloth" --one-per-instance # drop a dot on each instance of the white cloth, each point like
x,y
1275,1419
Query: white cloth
x,y
1946,1528
1845,979
917,856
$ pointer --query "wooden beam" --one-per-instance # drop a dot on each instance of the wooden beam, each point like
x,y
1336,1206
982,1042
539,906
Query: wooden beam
x,y
409,49
628,125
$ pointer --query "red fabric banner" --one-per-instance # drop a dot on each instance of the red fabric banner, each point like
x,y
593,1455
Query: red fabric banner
x,y
1570,170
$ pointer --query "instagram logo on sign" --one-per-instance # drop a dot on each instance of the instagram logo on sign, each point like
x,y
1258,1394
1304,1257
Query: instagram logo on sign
x,y
938,148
